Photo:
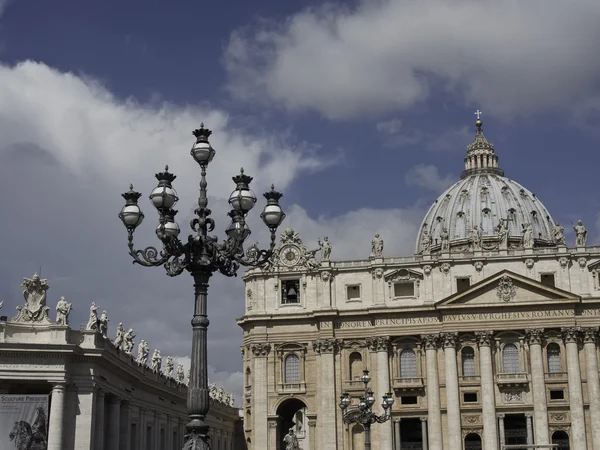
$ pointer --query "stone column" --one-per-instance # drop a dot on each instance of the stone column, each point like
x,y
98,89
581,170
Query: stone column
x,y
424,432
528,418
312,427
125,427
452,391
259,395
502,436
99,426
590,339
142,430
433,392
538,385
326,349
571,337
397,440
169,433
114,419
57,417
157,431
85,419
272,435
381,345
488,401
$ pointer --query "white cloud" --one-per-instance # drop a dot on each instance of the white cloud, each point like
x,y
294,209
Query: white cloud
x,y
428,177
392,126
510,57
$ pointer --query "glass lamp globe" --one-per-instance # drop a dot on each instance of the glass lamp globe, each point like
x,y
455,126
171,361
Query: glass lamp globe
x,y
390,399
202,151
365,377
362,404
131,216
242,200
164,197
370,399
236,231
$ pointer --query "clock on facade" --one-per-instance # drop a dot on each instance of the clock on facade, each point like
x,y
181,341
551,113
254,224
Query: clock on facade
x,y
290,255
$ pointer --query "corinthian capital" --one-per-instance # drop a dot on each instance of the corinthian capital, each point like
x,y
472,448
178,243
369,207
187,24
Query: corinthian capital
x,y
484,338
590,335
261,350
378,344
571,334
326,345
431,341
535,335
449,339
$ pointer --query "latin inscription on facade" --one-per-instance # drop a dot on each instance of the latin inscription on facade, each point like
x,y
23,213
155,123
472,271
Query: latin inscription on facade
x,y
508,315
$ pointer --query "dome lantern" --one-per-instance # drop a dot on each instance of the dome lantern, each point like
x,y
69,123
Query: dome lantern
x,y
481,157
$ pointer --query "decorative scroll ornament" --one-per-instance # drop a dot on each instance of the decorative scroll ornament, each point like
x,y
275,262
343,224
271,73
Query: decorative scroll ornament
x,y
291,254
484,338
378,344
431,341
478,266
449,339
34,310
506,289
590,335
261,349
513,397
535,335
326,345
571,334
427,269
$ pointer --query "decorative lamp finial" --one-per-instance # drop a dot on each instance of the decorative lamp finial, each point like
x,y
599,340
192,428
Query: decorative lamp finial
x,y
478,122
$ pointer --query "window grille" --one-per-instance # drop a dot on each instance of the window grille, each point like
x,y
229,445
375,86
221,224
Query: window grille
x,y
510,359
553,358
408,363
292,369
468,362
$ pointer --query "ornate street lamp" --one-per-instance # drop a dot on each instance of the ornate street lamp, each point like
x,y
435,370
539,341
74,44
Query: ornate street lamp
x,y
201,255
363,414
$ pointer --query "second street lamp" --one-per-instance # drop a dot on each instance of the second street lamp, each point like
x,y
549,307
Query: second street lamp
x,y
201,255
363,413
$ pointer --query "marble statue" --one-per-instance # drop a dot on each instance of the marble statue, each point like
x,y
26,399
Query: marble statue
x,y
502,231
326,248
476,237
35,309
120,335
231,400
581,234
425,241
527,236
445,238
93,322
128,341
142,355
212,390
221,394
180,373
559,234
169,367
63,309
377,247
291,441
103,324
156,361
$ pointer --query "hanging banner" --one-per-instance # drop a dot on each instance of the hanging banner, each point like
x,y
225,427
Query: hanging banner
x,y
24,422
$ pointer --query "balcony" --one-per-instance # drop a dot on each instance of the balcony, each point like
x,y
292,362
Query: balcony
x,y
512,379
470,380
556,376
408,384
291,388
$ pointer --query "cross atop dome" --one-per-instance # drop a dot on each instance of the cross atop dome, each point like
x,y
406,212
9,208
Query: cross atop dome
x,y
481,156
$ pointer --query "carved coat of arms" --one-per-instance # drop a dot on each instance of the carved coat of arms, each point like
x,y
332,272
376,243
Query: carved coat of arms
x,y
506,289
35,309
290,253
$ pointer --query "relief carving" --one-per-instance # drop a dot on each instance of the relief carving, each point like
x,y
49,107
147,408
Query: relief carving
x,y
379,344
431,341
529,263
449,339
34,310
261,350
564,262
478,266
506,289
513,397
535,335
427,269
326,345
590,335
571,334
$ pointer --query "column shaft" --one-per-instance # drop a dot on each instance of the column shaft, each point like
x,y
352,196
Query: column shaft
x,y
99,426
578,437
114,419
125,427
488,400
452,392
501,430
383,385
433,393
538,386
529,425
593,384
259,396
56,419
328,402
424,432
397,440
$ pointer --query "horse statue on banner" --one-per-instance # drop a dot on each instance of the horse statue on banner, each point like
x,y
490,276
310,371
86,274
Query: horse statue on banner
x,y
22,436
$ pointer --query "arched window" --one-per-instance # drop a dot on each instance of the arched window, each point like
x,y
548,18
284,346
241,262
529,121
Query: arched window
x,y
355,365
468,362
562,439
510,359
292,369
553,358
408,363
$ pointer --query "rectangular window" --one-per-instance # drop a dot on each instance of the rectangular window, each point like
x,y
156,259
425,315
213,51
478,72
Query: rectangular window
x,y
462,284
409,400
404,289
353,292
557,394
547,279
290,292
470,397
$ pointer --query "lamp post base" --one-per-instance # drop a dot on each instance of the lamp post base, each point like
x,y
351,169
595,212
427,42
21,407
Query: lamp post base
x,y
197,440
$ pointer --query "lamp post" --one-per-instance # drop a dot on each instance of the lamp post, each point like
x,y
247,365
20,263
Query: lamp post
x,y
363,414
201,255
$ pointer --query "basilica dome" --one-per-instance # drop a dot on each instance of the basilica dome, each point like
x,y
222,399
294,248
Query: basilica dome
x,y
485,210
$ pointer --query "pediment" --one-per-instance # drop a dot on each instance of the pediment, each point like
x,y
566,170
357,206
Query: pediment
x,y
507,288
403,274
594,265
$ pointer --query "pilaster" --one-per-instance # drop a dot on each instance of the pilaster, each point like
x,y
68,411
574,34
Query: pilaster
x,y
538,385
431,342
488,401
99,422
260,395
590,341
381,346
326,350
572,336
452,391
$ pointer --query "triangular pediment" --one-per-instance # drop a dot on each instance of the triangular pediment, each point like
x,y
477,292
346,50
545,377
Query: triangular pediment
x,y
507,288
403,274
594,265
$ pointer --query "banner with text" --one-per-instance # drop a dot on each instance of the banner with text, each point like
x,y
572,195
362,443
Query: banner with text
x,y
24,422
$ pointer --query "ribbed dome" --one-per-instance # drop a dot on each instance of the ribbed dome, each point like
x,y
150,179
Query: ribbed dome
x,y
468,214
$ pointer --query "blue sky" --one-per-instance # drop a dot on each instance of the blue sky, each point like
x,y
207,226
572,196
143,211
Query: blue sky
x,y
359,112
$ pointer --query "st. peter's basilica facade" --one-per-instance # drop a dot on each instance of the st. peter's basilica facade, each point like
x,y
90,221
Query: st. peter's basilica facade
x,y
487,336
